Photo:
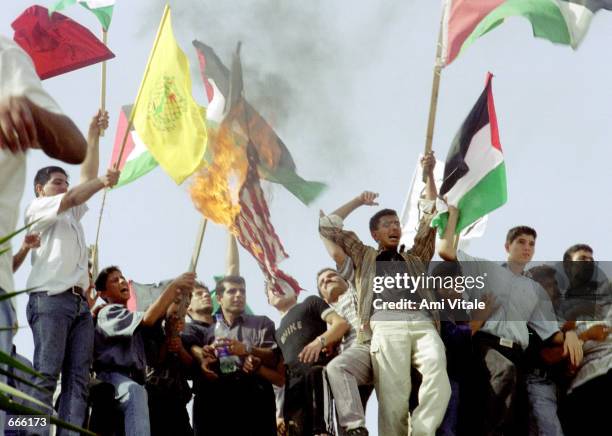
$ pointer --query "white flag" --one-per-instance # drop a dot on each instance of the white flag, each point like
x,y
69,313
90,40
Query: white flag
x,y
410,216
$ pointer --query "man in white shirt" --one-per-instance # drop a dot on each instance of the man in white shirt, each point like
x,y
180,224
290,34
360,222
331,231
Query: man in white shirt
x,y
58,313
500,344
29,118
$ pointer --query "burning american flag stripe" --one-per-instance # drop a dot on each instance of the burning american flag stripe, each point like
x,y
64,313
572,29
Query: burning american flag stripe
x,y
256,234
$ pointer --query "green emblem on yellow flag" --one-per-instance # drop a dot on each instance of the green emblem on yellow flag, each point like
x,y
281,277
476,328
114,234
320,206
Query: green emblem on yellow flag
x,y
166,105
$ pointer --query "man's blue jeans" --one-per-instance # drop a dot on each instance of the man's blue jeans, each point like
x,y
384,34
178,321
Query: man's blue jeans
x,y
543,417
63,331
133,402
7,319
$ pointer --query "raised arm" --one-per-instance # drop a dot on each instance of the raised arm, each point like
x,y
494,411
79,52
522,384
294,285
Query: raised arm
x,y
428,163
25,125
333,249
447,249
84,191
338,240
183,283
366,198
91,164
232,261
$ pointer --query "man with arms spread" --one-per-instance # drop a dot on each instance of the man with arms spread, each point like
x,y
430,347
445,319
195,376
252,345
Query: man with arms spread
x,y
398,333
29,118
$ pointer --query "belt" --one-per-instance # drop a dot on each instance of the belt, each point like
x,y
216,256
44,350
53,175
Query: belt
x,y
540,372
135,374
77,290
496,340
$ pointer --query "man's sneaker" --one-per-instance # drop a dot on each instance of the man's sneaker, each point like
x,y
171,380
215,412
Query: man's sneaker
x,y
359,431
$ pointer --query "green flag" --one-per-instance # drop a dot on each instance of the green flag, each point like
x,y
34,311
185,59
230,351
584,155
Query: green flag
x,y
102,9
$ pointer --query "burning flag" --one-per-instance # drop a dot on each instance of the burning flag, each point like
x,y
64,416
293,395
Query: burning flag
x,y
215,186
228,192
255,232
275,162
58,44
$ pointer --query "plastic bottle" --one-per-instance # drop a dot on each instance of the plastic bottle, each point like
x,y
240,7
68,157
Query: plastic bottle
x,y
228,363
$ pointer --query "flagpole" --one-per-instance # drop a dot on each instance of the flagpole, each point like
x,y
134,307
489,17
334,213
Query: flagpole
x,y
131,119
103,86
198,247
183,303
456,240
435,87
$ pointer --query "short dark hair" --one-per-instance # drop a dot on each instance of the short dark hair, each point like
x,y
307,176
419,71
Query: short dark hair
x,y
103,276
201,285
44,174
517,231
567,256
321,272
446,268
378,215
540,272
220,288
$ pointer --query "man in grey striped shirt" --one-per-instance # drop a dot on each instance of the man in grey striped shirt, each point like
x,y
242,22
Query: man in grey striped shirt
x,y
351,369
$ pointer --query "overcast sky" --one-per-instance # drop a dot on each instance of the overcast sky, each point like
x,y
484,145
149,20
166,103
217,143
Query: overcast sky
x,y
347,85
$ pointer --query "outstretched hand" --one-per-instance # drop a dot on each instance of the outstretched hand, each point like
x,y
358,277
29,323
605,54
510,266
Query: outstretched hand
x,y
98,124
17,128
184,283
368,198
572,347
111,178
428,163
31,240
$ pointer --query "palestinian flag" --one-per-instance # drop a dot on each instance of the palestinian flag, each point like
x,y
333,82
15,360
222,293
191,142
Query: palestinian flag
x,y
58,44
275,161
475,173
136,160
559,21
102,9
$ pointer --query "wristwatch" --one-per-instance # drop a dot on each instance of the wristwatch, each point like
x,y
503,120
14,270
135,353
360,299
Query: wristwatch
x,y
323,341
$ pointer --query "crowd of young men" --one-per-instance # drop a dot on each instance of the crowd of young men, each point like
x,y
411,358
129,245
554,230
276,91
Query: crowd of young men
x,y
530,361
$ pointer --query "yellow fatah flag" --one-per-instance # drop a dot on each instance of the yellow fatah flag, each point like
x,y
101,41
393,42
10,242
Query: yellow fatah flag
x,y
166,117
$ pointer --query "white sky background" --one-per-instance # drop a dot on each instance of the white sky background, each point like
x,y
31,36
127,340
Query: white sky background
x,y
347,85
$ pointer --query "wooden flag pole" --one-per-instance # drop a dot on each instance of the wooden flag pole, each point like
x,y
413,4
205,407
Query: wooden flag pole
x,y
433,103
183,304
131,119
456,241
103,86
198,247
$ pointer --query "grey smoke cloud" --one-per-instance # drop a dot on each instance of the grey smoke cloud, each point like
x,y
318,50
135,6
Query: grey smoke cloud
x,y
298,62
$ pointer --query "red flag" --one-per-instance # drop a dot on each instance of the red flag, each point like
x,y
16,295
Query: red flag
x,y
57,44
256,233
